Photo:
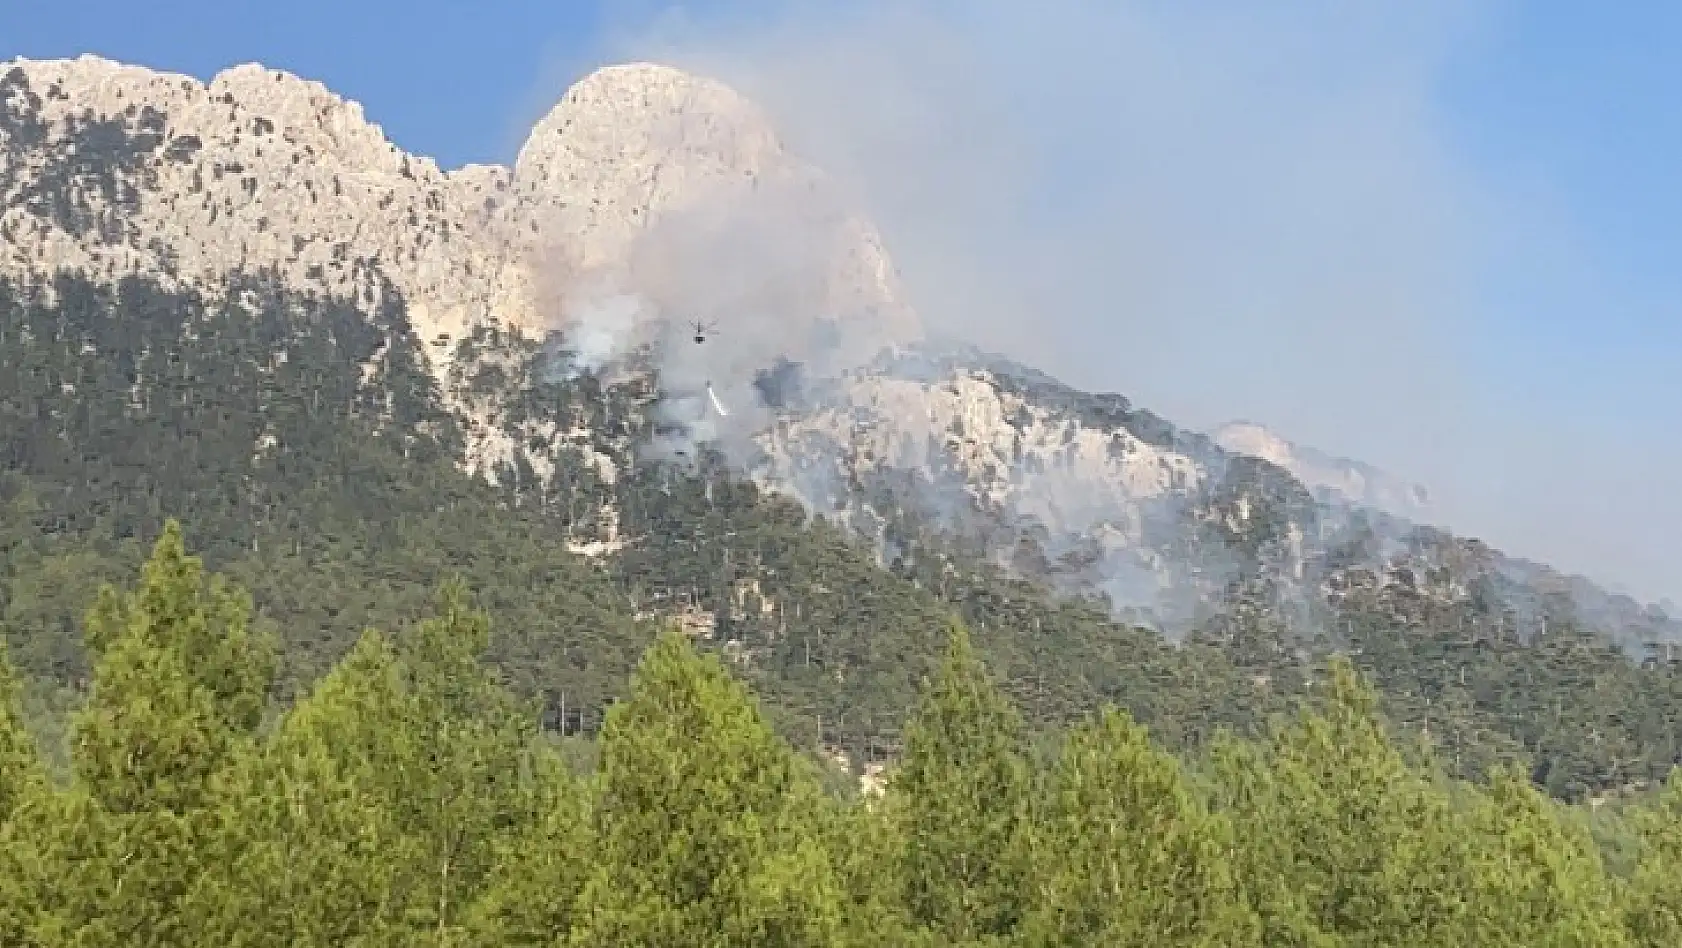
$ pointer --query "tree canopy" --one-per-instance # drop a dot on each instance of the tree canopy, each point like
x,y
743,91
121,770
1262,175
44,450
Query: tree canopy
x,y
410,798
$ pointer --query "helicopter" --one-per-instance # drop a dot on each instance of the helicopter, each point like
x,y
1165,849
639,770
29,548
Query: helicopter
x,y
702,329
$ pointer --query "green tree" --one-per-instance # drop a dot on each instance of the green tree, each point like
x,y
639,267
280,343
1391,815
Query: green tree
x,y
1655,892
22,777
459,737
704,819
534,885
868,851
180,684
308,834
1124,854
960,798
180,680
384,800
1340,842
24,799
1536,881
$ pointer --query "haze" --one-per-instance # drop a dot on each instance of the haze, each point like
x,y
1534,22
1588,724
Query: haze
x,y
1235,212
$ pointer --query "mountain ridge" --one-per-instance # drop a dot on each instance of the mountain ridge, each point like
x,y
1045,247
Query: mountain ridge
x,y
1334,479
470,246
533,327
624,191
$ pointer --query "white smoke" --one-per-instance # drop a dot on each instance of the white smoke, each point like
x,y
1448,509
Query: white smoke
x,y
716,289
1242,209
601,330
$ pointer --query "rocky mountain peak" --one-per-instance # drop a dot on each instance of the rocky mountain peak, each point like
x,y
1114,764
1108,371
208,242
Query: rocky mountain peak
x,y
627,141
649,180
1332,478
312,114
649,197
110,169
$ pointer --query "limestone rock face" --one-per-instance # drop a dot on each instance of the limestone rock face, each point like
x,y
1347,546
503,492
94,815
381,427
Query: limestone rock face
x,y
1002,450
1335,479
647,179
628,142
1080,490
112,169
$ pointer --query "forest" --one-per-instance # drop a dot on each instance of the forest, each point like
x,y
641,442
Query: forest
x,y
309,449
409,797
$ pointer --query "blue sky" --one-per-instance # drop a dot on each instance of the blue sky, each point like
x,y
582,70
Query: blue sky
x,y
1581,105
1563,115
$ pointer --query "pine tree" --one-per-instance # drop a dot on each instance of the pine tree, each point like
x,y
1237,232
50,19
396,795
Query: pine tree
x,y
1123,853
868,853
704,819
533,889
22,776
1339,841
1536,881
461,736
960,800
25,798
180,679
1655,893
385,799
308,837
180,684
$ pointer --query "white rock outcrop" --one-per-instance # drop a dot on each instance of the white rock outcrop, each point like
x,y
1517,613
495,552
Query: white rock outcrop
x,y
261,169
1334,478
651,180
1003,451
257,169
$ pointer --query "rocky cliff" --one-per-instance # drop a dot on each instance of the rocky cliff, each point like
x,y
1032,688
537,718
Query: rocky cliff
x,y
649,204
1333,479
112,169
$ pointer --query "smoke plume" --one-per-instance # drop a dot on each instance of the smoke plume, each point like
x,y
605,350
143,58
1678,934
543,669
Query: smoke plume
x,y
1225,210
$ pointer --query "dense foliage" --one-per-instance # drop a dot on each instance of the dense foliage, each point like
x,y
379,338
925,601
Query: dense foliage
x,y
408,798
313,453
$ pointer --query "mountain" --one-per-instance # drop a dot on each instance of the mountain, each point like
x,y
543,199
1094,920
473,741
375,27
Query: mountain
x,y
113,169
658,370
1333,479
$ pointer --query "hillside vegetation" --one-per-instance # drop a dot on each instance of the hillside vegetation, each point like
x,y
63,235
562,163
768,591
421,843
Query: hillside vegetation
x,y
311,452
408,798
